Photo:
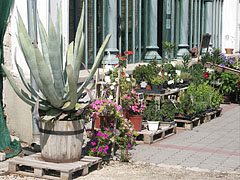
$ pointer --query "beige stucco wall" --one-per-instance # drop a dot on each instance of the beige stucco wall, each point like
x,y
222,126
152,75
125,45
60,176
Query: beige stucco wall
x,y
19,119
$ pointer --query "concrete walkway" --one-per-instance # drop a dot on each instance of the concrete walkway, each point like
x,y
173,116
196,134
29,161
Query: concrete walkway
x,y
214,145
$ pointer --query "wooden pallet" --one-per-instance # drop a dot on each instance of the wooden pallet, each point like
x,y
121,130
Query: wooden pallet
x,y
219,112
187,124
149,137
209,116
34,166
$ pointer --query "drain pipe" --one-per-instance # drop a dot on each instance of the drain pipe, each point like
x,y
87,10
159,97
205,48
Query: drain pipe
x,y
32,29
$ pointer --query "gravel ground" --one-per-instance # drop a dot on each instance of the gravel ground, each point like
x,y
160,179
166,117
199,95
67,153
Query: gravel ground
x,y
143,171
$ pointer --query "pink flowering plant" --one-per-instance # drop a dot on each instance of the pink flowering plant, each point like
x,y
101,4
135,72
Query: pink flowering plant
x,y
132,104
103,107
124,137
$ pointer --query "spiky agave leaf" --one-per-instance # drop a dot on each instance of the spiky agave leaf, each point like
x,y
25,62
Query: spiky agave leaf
x,y
95,65
19,91
54,56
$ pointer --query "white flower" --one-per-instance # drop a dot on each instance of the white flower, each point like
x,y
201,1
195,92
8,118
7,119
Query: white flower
x,y
165,74
159,73
143,84
112,87
114,83
170,82
126,74
128,79
169,75
173,64
209,70
178,72
181,80
110,97
107,79
116,79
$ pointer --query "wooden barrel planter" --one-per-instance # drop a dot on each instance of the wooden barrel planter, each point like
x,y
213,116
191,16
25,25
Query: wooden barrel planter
x,y
61,141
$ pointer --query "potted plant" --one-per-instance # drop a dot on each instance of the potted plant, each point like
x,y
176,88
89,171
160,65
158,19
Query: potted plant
x,y
103,111
152,115
186,78
229,44
157,82
167,111
134,106
58,95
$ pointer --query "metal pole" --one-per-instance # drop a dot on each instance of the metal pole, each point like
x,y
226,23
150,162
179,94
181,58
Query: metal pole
x,y
120,25
199,24
94,29
183,46
195,24
191,26
213,23
126,25
139,29
152,33
133,30
86,32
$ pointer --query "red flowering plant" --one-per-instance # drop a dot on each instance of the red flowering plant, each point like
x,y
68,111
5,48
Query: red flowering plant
x,y
123,59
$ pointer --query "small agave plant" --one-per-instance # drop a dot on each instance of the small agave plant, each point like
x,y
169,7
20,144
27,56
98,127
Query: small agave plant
x,y
57,82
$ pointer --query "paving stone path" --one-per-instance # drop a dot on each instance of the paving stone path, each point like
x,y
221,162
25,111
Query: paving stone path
x,y
214,145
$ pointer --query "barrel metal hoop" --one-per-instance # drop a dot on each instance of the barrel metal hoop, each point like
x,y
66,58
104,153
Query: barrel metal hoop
x,y
64,133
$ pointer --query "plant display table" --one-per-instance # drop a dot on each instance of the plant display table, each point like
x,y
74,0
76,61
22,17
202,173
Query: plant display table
x,y
34,166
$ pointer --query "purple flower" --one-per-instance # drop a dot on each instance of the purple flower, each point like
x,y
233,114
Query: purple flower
x,y
129,145
94,149
105,136
106,147
99,134
126,154
114,131
128,134
111,124
93,143
100,149
223,65
105,151
231,62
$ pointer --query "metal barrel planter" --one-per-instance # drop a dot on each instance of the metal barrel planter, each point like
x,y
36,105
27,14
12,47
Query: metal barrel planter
x,y
61,141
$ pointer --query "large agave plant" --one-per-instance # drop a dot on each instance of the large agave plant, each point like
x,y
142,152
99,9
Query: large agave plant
x,y
57,82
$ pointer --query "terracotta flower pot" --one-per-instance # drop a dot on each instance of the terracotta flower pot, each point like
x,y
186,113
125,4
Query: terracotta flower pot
x,y
137,121
229,50
103,121
148,87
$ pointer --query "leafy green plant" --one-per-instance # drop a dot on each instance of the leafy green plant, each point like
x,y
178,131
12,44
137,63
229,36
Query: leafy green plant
x,y
152,113
168,47
185,76
167,110
186,60
146,72
158,80
57,83
229,83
